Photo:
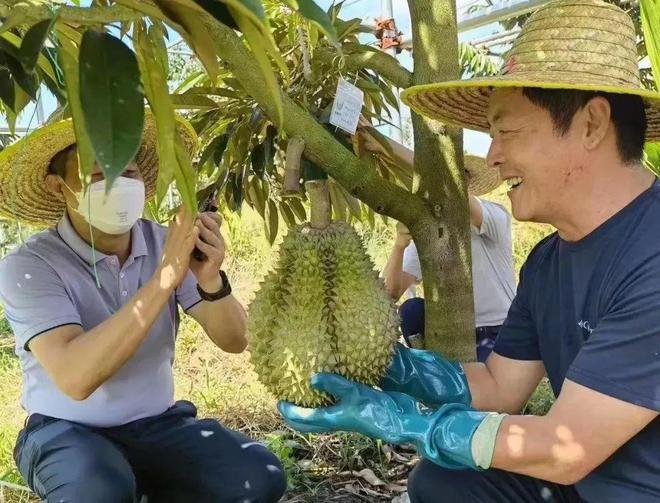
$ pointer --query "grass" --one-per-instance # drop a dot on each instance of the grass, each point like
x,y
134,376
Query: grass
x,y
343,467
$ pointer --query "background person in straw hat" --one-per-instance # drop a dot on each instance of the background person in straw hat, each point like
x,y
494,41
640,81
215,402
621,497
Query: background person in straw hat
x,y
492,258
93,303
569,120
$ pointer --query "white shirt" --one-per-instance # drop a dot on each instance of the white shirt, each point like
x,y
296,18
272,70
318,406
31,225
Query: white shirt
x,y
493,276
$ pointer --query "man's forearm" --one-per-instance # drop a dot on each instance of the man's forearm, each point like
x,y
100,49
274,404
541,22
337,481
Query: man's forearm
x,y
393,272
91,358
225,322
539,447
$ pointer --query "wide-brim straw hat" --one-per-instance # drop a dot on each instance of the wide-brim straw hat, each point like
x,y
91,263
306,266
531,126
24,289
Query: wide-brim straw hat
x,y
24,165
585,45
483,179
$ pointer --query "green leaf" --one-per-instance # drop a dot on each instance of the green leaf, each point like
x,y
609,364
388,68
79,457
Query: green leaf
x,y
219,11
258,159
192,101
176,161
185,176
652,157
11,44
271,221
262,46
29,82
32,43
299,209
218,143
184,14
112,101
7,93
310,10
650,14
257,195
68,55
287,215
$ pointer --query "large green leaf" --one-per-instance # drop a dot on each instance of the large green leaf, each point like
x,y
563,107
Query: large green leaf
x,y
112,101
33,41
310,10
174,161
68,56
650,14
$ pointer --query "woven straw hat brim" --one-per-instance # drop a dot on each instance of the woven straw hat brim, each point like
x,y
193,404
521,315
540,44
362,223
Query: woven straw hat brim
x,y
464,103
24,166
586,45
483,179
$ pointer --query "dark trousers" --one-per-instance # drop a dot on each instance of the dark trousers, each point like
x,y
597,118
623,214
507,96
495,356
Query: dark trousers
x,y
173,457
411,313
429,483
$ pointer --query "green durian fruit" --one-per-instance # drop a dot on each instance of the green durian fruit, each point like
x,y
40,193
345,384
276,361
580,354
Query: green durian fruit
x,y
323,308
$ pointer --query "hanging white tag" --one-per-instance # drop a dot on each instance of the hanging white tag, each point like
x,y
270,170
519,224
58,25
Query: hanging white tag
x,y
347,106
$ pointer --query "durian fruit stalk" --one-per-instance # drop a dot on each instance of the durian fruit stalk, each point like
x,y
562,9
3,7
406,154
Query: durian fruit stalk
x,y
323,308
294,153
319,201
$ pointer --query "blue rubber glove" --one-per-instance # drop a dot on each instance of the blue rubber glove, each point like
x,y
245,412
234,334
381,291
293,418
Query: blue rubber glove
x,y
427,376
443,436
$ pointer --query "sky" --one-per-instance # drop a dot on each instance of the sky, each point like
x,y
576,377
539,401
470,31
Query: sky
x,y
368,10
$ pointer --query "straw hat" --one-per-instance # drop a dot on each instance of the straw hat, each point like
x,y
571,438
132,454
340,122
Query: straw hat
x,y
483,179
24,166
566,44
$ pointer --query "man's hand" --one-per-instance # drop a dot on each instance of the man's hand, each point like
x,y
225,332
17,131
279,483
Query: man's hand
x,y
211,244
427,377
443,436
403,236
182,235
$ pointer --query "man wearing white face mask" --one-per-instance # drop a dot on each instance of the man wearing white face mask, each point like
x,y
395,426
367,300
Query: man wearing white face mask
x,y
93,303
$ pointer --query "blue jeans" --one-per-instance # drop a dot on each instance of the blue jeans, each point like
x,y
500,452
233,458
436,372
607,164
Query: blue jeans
x,y
430,483
411,313
172,457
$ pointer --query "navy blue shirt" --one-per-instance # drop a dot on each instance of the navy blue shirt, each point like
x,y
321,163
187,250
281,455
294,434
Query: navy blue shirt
x,y
590,310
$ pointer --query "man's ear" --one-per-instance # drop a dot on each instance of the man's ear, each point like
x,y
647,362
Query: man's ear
x,y
597,118
55,186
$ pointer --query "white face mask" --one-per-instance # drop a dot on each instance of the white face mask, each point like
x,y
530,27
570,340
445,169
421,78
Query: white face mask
x,y
115,212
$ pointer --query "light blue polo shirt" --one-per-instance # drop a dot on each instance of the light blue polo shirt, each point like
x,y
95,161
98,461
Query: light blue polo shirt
x,y
49,282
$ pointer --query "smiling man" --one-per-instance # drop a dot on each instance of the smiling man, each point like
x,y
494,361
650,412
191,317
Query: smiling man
x,y
569,120
93,302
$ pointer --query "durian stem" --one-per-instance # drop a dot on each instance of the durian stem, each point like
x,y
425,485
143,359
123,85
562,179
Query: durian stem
x,y
319,200
294,153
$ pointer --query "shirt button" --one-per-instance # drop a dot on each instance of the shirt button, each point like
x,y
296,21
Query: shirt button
x,y
124,293
113,261
121,274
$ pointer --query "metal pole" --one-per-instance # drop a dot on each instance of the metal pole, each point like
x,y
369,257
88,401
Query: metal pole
x,y
387,12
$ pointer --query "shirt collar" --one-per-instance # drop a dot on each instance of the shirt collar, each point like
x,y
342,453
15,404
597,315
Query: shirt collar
x,y
71,237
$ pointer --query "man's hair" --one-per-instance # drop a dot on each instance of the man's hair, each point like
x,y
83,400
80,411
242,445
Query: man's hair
x,y
627,114
58,163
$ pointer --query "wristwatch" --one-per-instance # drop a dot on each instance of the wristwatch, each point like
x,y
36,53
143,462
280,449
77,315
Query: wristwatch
x,y
220,294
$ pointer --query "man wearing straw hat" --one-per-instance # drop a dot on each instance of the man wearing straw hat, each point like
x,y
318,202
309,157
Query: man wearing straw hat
x,y
93,303
568,119
492,260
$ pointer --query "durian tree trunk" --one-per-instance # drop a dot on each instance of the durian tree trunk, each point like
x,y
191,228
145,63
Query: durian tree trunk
x,y
442,238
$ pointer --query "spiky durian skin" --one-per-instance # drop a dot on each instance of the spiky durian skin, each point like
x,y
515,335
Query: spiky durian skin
x,y
322,309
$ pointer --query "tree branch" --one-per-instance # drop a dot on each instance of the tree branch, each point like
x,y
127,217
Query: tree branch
x,y
70,14
358,177
387,66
